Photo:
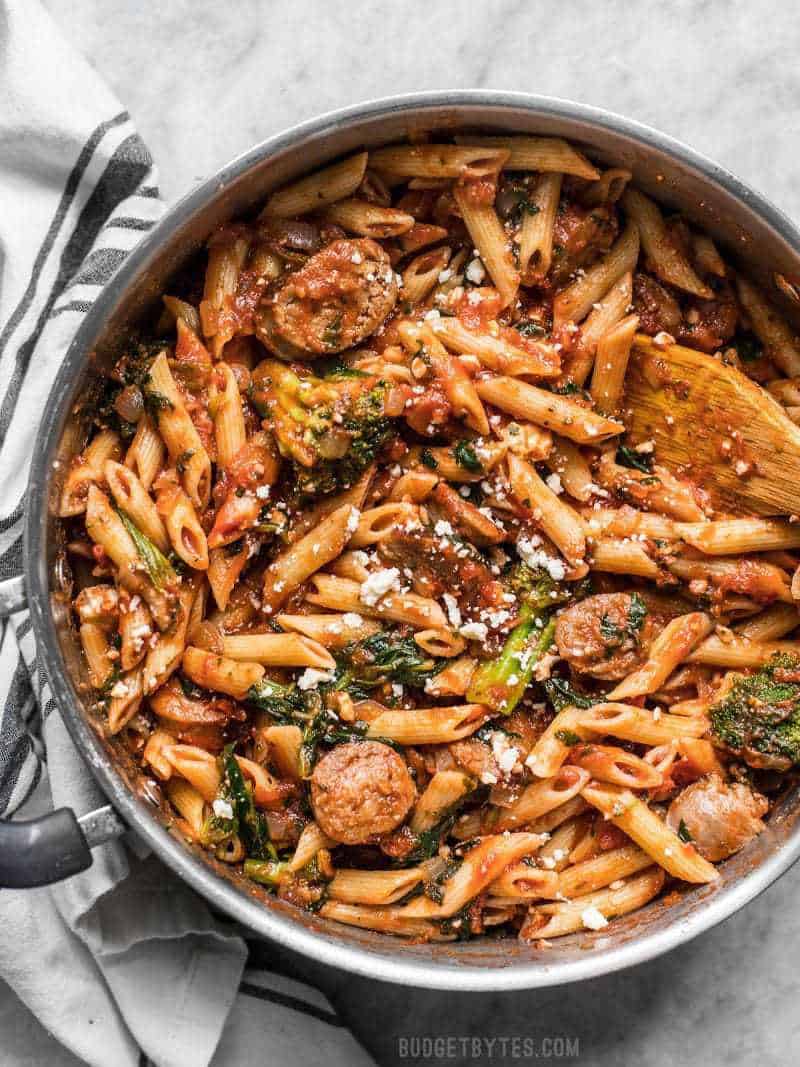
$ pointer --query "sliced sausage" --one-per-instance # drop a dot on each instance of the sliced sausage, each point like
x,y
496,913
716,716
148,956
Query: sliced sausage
x,y
580,236
340,296
720,818
657,308
359,790
596,636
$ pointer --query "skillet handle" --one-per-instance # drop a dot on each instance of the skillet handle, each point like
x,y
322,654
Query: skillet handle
x,y
56,845
53,847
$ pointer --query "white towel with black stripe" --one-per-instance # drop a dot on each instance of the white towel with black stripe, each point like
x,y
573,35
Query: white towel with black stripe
x,y
123,964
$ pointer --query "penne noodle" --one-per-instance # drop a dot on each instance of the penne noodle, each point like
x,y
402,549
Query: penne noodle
x,y
369,220
335,182
226,403
428,726
537,154
550,410
663,254
498,353
678,638
729,537
376,888
608,188
86,470
479,868
312,839
388,920
523,882
465,162
487,234
607,763
536,232
330,631
545,921
183,442
611,365
602,870
302,559
600,321
575,301
442,794
779,341
421,276
557,519
277,650
146,453
539,798
220,673
679,858
327,591
567,461
376,524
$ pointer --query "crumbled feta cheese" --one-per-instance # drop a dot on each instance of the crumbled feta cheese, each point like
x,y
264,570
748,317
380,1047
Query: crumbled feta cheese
x,y
119,690
593,919
475,272
548,862
487,778
222,809
378,584
553,482
352,618
476,631
535,557
397,690
443,528
453,611
311,677
505,754
432,315
262,492
352,522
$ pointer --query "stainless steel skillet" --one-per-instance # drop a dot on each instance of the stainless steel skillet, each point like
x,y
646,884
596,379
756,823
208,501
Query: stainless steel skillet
x,y
753,232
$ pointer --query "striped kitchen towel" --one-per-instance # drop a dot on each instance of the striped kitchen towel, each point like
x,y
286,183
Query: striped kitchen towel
x,y
123,964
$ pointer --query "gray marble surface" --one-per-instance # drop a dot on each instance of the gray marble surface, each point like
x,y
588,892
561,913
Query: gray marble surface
x,y
204,80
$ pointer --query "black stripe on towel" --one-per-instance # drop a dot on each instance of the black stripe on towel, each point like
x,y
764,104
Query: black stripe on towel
x,y
71,187
126,169
285,1000
74,305
128,222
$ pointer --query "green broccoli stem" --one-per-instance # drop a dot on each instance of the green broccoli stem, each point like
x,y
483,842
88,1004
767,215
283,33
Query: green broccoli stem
x,y
267,872
501,683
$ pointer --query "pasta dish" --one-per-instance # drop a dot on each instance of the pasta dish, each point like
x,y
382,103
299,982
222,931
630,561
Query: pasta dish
x,y
376,583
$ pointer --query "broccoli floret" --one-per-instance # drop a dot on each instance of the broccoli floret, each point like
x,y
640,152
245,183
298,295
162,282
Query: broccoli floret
x,y
332,428
535,587
759,714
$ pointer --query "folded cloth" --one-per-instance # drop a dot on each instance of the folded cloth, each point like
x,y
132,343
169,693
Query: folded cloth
x,y
122,962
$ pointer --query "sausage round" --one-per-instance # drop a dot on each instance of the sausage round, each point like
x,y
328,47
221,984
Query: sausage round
x,y
360,790
340,296
720,818
595,637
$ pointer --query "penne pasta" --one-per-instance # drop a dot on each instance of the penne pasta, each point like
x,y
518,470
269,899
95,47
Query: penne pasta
x,y
319,190
550,410
487,234
663,253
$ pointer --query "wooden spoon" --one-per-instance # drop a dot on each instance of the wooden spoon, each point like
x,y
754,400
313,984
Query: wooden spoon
x,y
723,430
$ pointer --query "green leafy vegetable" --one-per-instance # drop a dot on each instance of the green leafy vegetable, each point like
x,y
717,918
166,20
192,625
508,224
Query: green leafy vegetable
x,y
530,328
748,347
562,695
428,459
252,826
283,702
637,461
683,832
385,656
568,737
266,872
501,683
161,571
466,456
759,715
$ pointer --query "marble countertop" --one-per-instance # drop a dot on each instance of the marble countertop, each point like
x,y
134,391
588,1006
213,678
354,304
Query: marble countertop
x,y
203,80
